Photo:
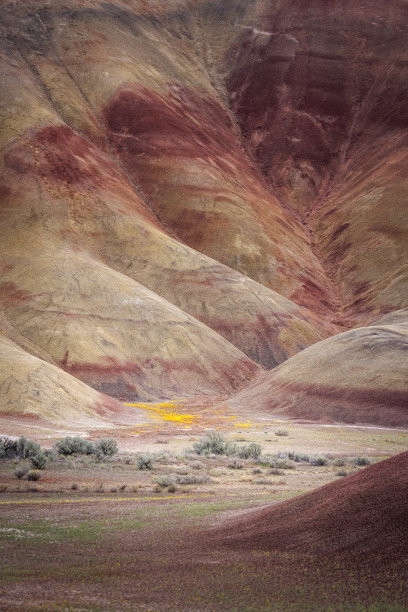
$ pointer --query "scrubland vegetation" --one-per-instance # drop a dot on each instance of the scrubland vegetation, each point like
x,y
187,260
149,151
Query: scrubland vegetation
x,y
137,508
211,461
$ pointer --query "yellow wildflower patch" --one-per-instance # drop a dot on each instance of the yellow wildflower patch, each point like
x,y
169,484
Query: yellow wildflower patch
x,y
167,411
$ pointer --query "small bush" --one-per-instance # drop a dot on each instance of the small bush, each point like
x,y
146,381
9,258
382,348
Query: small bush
x,y
172,488
257,471
27,448
8,448
361,461
74,486
33,475
165,481
122,487
74,446
198,465
275,472
21,448
191,479
99,456
106,446
319,461
283,464
342,473
39,461
281,432
144,462
251,450
214,443
235,465
21,471
339,462
299,457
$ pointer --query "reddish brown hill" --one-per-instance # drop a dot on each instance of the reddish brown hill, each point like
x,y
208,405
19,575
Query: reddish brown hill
x,y
190,192
319,91
361,515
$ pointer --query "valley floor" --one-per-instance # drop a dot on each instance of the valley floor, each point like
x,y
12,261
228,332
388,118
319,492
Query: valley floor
x,y
107,536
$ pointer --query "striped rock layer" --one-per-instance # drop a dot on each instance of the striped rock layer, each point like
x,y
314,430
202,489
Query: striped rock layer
x,y
193,192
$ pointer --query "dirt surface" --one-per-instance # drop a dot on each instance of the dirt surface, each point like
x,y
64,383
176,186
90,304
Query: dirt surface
x,y
364,514
106,536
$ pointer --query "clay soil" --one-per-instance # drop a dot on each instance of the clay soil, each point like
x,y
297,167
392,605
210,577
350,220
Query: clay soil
x,y
107,536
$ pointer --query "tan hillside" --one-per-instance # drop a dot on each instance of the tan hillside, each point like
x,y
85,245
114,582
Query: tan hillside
x,y
359,376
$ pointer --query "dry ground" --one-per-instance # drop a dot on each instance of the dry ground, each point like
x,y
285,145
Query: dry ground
x,y
106,536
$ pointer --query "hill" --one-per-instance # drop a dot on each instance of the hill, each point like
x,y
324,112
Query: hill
x,y
361,516
191,192
359,376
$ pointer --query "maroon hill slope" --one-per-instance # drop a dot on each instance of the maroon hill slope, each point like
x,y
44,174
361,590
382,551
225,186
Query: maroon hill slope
x,y
364,515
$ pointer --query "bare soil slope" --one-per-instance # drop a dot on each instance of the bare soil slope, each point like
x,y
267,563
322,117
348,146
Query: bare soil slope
x,y
359,376
193,191
361,515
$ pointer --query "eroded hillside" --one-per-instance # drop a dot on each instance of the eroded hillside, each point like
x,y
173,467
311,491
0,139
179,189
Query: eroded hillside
x,y
194,191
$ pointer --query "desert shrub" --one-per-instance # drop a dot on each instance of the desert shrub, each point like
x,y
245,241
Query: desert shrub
x,y
106,446
198,465
33,475
190,479
319,461
74,486
165,481
235,465
8,448
144,462
74,446
122,487
275,472
341,473
180,469
361,461
21,448
21,471
27,448
214,443
299,457
172,488
250,450
49,454
281,432
257,471
339,462
279,461
39,461
283,464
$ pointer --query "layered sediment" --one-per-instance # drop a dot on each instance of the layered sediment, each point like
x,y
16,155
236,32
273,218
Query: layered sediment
x,y
192,192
